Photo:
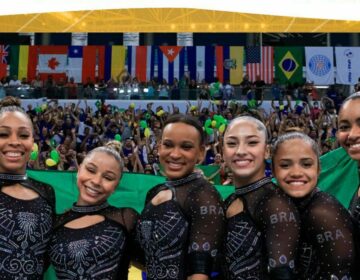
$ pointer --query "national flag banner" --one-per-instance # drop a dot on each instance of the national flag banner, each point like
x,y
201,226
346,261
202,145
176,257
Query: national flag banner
x,y
93,63
75,63
201,63
320,65
289,63
140,61
170,62
23,61
4,54
229,63
347,65
52,60
115,58
260,62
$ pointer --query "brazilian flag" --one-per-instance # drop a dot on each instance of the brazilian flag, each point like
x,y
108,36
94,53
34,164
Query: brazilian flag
x,y
289,63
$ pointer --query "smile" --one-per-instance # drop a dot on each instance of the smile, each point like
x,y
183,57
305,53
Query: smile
x,y
242,163
297,183
92,191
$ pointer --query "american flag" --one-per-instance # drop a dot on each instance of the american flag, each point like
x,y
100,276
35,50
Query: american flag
x,y
4,53
260,61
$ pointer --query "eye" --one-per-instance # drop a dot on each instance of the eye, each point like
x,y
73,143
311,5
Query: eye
x,y
344,127
231,144
3,134
24,135
253,143
91,170
284,165
109,178
187,147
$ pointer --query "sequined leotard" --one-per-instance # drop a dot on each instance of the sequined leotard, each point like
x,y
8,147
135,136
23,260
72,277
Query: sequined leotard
x,y
182,236
327,246
99,251
261,241
25,230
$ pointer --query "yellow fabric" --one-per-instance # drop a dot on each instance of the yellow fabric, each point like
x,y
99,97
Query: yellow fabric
x,y
135,274
23,61
118,54
236,73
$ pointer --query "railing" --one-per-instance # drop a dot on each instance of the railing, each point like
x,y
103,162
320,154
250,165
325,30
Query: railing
x,y
127,93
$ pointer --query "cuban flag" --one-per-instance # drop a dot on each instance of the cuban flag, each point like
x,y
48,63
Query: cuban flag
x,y
140,62
320,65
201,63
75,63
171,63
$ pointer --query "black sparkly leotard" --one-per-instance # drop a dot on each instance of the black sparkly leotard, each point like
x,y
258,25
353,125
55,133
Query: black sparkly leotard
x,y
326,250
261,241
99,251
25,230
181,236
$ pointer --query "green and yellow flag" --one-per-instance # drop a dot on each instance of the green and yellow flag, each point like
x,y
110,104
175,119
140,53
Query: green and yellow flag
x,y
289,64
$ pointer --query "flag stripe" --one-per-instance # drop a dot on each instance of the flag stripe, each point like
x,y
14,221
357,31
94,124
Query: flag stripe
x,y
107,63
141,63
181,63
236,74
226,55
23,61
32,62
200,61
209,63
14,60
152,59
117,60
191,62
101,62
260,61
219,63
89,61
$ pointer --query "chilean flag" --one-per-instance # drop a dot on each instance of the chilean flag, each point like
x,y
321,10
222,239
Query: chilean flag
x,y
171,63
52,60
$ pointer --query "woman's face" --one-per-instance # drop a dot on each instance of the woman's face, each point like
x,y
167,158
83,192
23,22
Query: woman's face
x,y
245,151
348,133
296,170
180,150
16,142
97,178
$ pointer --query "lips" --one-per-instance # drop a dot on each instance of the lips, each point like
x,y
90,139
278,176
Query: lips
x,y
297,183
354,147
13,155
242,162
174,165
92,191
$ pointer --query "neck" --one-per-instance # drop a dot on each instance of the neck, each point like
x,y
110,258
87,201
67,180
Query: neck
x,y
241,182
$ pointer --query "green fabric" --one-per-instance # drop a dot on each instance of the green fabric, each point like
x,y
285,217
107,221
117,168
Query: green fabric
x,y
14,60
289,63
339,175
131,191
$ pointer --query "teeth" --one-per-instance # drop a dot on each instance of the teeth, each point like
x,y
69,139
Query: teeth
x,y
13,154
92,191
242,162
297,183
355,146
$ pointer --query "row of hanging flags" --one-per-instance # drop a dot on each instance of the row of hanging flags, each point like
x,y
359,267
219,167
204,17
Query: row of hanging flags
x,y
227,63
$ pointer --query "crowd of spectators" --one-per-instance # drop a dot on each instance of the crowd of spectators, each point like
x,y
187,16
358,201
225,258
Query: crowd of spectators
x,y
73,130
126,87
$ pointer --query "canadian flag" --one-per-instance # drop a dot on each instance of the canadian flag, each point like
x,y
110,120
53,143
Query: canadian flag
x,y
52,61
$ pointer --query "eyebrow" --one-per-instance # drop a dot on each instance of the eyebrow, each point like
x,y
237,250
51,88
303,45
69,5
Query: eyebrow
x,y
9,127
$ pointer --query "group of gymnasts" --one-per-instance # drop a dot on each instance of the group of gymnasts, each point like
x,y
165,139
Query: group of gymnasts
x,y
280,228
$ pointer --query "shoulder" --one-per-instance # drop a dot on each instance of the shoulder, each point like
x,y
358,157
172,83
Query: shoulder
x,y
43,189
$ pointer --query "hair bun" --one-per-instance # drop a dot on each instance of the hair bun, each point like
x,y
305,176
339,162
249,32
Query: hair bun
x,y
10,101
114,145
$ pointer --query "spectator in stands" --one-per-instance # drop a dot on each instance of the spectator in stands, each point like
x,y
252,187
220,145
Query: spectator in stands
x,y
259,88
229,91
245,85
50,87
71,88
164,90
75,240
28,206
175,90
14,81
38,85
88,88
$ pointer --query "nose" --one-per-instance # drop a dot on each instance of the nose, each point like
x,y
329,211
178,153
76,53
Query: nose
x,y
241,149
296,172
354,132
14,139
175,153
96,179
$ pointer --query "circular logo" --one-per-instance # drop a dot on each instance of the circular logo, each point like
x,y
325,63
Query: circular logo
x,y
348,53
319,65
289,65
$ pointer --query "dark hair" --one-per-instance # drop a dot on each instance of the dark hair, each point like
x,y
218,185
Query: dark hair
x,y
112,148
295,135
351,97
189,120
12,104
